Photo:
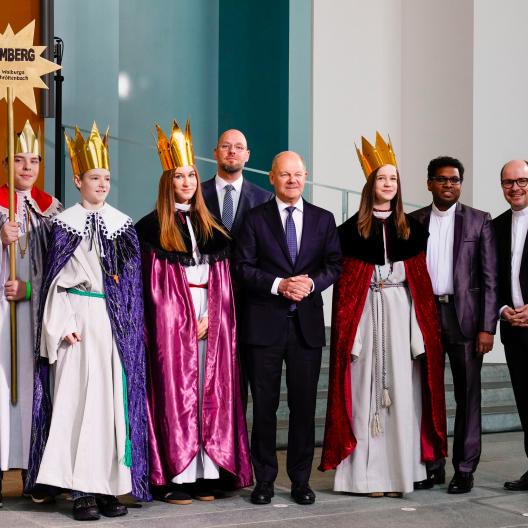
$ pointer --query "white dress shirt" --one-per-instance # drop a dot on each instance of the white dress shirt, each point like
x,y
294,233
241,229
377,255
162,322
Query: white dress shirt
x,y
519,230
220,184
297,216
440,250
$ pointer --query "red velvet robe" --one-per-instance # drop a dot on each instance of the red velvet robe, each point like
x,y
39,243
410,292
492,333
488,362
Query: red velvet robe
x,y
350,293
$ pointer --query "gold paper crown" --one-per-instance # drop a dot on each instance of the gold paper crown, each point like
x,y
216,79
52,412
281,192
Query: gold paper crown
x,y
27,142
178,151
89,154
372,158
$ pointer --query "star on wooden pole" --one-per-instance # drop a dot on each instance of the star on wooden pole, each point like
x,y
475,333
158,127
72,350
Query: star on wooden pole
x,y
21,65
21,68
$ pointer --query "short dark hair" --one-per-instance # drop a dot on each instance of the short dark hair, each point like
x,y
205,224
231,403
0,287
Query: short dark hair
x,y
444,161
504,166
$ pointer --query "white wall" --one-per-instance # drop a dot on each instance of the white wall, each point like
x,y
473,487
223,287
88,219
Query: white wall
x,y
437,90
356,84
500,96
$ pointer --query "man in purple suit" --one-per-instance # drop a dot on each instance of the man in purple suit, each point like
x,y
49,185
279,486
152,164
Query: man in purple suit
x,y
287,253
462,263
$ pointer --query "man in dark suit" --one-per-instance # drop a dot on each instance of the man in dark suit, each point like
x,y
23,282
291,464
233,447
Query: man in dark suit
x,y
229,195
287,254
462,263
512,252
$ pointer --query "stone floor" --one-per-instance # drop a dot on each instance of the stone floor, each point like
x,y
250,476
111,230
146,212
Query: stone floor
x,y
489,505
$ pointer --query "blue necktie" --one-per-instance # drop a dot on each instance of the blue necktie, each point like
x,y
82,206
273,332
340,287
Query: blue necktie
x,y
291,234
227,210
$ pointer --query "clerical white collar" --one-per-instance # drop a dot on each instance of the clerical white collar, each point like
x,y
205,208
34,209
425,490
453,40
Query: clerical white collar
x,y
521,213
447,212
221,183
282,205
76,219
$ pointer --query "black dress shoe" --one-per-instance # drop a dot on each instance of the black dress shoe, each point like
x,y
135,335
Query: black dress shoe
x,y
517,485
462,482
428,483
110,506
302,494
85,509
262,493
435,476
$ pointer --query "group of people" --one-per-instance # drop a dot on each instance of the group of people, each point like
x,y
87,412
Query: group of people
x,y
136,344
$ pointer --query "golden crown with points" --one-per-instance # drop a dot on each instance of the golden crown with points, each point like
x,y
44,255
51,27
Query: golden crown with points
x,y
372,158
178,151
89,154
27,142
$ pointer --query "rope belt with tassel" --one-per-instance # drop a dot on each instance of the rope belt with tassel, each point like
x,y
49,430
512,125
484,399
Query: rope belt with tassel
x,y
383,396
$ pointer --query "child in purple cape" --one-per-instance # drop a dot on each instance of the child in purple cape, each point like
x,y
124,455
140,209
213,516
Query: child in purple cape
x,y
89,426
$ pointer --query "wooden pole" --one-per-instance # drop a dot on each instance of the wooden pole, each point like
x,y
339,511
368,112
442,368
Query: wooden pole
x,y
12,248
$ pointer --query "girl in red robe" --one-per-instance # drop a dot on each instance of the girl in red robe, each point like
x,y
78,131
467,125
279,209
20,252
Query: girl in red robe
x,y
386,408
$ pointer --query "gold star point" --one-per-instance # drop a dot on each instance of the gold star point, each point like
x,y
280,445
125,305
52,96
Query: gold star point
x,y
21,65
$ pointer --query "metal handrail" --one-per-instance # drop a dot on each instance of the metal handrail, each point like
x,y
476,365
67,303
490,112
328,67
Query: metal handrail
x,y
344,192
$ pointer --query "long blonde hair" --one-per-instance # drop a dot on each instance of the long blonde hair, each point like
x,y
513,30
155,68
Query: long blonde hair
x,y
170,236
366,208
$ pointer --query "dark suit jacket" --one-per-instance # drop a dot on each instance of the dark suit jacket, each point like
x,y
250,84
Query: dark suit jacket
x,y
251,195
503,228
475,278
262,255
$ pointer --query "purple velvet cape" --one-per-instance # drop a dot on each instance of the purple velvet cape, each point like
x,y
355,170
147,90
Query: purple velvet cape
x,y
124,303
172,358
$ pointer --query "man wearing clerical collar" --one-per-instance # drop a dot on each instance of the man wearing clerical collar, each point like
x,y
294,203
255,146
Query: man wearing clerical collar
x,y
29,232
511,228
462,263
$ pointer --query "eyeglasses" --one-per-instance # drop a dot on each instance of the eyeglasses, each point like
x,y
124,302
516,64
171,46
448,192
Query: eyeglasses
x,y
508,184
227,146
442,180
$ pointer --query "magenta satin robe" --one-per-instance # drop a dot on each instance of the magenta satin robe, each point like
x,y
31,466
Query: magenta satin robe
x,y
172,382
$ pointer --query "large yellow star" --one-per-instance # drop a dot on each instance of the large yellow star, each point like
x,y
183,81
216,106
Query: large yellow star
x,y
21,65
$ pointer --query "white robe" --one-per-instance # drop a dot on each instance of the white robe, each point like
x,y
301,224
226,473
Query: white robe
x,y
86,443
201,465
15,420
389,461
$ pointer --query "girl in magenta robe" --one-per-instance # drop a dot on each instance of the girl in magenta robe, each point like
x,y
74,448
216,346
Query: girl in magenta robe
x,y
195,417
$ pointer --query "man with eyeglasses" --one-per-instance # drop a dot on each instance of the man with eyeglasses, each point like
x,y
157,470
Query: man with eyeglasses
x,y
229,195
462,263
511,228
